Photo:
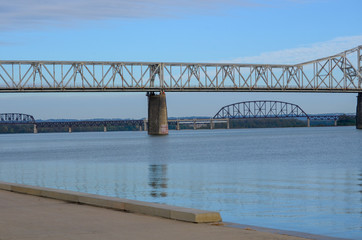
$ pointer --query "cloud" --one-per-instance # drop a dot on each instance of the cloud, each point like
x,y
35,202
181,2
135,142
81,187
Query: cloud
x,y
304,53
5,43
15,14
28,13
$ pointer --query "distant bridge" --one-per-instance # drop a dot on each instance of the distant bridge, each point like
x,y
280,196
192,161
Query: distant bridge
x,y
240,110
268,109
21,118
261,109
16,118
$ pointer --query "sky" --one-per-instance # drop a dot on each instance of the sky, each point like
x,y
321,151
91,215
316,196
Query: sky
x,y
221,31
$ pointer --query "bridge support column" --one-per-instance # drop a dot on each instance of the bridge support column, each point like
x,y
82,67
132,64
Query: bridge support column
x,y
144,125
177,125
70,129
308,122
359,112
228,123
211,124
335,122
35,129
104,128
195,126
157,114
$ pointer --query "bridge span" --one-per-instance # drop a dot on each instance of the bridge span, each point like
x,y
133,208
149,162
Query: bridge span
x,y
340,73
142,124
269,109
223,116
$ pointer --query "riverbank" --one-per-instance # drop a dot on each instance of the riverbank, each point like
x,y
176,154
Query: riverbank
x,y
25,214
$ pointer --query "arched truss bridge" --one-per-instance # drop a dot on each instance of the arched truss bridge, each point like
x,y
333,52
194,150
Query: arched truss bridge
x,y
16,118
267,109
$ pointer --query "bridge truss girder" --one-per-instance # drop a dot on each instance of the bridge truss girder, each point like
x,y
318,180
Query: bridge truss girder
x,y
90,123
261,109
339,73
16,118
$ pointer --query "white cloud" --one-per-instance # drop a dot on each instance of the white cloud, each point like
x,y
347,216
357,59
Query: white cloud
x,y
2,43
304,53
16,14
29,13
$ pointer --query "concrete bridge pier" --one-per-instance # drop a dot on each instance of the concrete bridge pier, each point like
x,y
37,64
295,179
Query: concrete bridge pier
x,y
359,111
211,124
70,129
157,114
35,129
144,125
227,123
308,122
104,128
177,125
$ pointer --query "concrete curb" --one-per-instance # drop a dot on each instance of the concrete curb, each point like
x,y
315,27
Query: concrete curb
x,y
121,204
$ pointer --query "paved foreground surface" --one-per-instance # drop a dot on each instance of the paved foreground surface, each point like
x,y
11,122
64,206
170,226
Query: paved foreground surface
x,y
31,217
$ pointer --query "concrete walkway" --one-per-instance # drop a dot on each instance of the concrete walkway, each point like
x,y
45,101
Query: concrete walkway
x,y
31,217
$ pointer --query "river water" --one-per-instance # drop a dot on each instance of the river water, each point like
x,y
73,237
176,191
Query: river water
x,y
298,179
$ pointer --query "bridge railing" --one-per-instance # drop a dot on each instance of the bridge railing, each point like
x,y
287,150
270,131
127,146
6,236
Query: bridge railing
x,y
338,73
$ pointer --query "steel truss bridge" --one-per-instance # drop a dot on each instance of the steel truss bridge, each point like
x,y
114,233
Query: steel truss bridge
x,y
20,118
338,73
89,123
268,109
16,118
241,110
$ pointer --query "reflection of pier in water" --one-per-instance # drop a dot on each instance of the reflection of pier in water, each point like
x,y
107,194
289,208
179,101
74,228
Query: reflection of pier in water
x,y
158,179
